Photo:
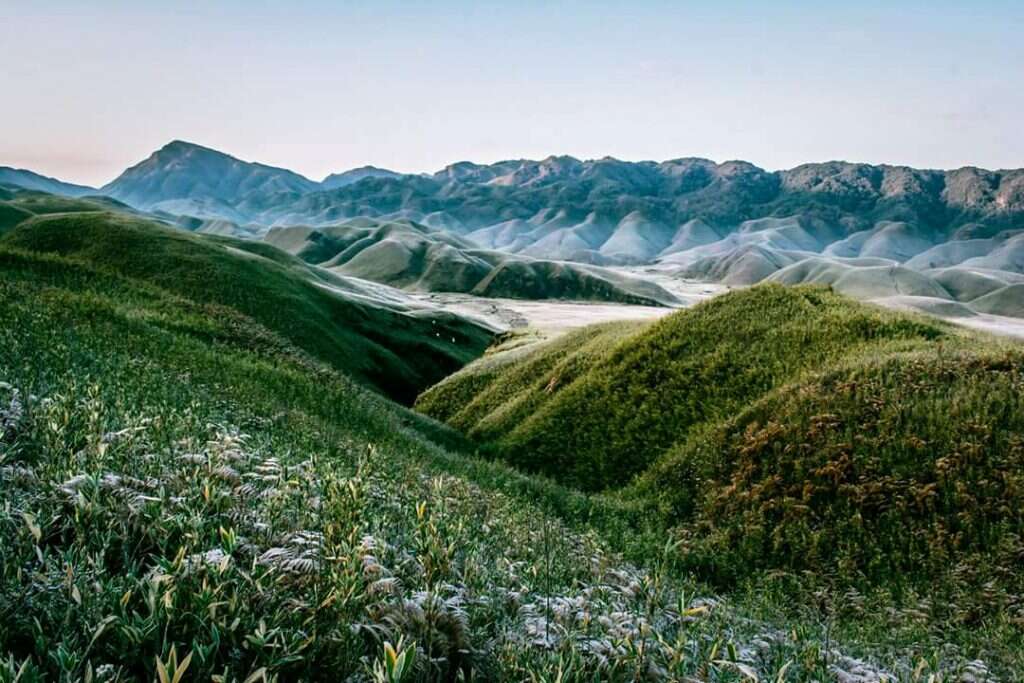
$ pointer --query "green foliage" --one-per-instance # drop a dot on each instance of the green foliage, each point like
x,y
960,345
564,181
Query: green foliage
x,y
187,491
778,429
392,350
11,215
595,416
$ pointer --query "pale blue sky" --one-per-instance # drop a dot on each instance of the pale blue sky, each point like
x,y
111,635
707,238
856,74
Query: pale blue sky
x,y
90,88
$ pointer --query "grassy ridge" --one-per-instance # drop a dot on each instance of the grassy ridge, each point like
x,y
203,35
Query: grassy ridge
x,y
777,428
895,470
395,352
595,419
490,400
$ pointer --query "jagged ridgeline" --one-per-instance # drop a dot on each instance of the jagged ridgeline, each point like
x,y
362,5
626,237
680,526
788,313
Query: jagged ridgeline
x,y
776,427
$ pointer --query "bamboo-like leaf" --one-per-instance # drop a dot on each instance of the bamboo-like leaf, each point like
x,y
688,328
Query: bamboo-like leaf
x,y
259,674
179,671
34,529
744,669
161,672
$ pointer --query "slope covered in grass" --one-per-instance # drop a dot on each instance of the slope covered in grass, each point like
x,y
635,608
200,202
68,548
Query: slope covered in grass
x,y
171,489
778,429
18,205
595,420
379,339
182,488
894,470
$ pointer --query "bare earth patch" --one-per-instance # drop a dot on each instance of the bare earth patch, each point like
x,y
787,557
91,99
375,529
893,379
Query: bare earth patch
x,y
553,318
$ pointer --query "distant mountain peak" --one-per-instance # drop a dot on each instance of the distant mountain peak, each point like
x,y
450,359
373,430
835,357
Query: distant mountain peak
x,y
562,158
179,143
354,175
182,170
175,147
30,180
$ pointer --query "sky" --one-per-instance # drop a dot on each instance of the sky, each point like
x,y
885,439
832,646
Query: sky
x,y
323,86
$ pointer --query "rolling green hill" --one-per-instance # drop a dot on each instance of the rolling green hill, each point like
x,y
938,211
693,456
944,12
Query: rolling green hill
x,y
380,339
893,469
775,427
193,486
598,419
17,204
415,257
181,488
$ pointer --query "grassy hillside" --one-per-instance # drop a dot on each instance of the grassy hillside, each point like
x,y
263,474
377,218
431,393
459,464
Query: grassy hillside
x,y
595,420
186,492
405,254
895,470
776,428
17,205
556,280
394,349
172,490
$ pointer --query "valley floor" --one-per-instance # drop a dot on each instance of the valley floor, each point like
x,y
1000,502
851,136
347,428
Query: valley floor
x,y
553,318
692,291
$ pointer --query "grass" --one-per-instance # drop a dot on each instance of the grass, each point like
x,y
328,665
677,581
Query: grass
x,y
177,497
600,407
894,471
186,492
393,350
778,429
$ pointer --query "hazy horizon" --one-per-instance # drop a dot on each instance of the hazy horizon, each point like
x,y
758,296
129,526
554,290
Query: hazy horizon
x,y
412,87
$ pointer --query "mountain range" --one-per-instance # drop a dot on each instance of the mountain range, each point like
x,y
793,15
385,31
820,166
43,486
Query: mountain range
x,y
875,231
648,199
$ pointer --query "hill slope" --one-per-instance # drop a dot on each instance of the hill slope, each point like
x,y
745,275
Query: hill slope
x,y
416,257
184,489
177,488
33,181
720,416
374,334
596,420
